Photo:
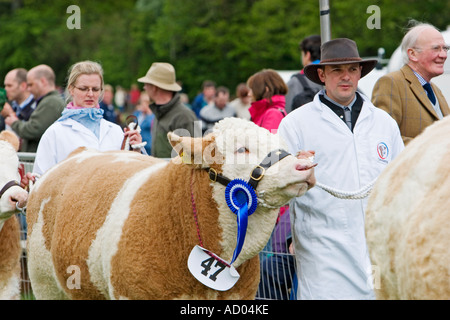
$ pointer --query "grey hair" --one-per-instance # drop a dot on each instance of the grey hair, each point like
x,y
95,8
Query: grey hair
x,y
410,38
84,67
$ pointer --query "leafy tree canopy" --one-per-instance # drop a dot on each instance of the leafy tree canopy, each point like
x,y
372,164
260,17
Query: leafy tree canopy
x,y
221,40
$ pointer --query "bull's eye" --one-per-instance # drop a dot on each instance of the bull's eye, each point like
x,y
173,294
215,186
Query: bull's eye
x,y
242,150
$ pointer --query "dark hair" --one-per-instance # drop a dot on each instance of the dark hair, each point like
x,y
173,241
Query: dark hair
x,y
21,75
208,83
312,45
223,90
242,90
266,83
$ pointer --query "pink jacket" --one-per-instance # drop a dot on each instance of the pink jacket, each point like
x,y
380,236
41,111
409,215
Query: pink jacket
x,y
268,115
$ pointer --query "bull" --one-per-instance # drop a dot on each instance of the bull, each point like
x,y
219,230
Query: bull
x,y
120,225
12,198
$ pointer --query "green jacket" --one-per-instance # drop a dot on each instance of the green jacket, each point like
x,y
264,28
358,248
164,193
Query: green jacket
x,y
169,117
47,111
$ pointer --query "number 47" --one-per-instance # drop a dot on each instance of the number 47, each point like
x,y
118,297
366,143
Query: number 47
x,y
207,264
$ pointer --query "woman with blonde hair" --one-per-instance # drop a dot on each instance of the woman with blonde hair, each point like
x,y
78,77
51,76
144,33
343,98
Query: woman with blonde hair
x,y
81,122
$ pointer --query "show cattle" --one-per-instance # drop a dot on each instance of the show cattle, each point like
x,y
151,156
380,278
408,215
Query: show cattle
x,y
11,195
408,220
120,225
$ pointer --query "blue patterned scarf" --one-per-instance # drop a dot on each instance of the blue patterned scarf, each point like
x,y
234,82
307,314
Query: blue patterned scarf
x,y
88,117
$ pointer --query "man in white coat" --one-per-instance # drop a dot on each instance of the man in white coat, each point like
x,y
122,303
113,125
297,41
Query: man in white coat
x,y
351,147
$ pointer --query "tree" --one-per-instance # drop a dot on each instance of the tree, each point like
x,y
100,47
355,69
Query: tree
x,y
222,40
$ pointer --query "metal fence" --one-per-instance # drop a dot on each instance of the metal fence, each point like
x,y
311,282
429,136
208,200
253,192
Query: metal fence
x,y
277,265
27,159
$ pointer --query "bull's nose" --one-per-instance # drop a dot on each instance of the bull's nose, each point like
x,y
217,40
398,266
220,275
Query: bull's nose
x,y
308,168
304,167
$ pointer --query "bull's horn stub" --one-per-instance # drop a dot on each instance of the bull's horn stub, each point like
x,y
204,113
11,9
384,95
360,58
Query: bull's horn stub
x,y
211,270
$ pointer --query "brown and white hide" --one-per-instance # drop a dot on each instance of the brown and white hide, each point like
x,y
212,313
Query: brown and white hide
x,y
10,249
120,225
408,220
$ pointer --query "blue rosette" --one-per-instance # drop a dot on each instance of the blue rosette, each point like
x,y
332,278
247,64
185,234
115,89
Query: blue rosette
x,y
242,200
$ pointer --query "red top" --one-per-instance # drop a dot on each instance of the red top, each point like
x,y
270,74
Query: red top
x,y
268,115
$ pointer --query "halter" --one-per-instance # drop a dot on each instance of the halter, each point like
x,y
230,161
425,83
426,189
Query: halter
x,y
241,196
257,172
8,185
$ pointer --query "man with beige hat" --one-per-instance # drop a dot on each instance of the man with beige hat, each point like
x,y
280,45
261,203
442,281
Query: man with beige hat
x,y
170,113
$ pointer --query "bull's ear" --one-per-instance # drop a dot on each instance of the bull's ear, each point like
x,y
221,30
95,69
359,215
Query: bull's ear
x,y
174,139
188,149
176,142
10,137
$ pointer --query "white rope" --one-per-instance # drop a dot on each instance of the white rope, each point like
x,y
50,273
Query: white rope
x,y
351,195
131,126
31,183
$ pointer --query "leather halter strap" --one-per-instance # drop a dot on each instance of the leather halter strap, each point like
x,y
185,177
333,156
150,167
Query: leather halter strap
x,y
257,172
8,185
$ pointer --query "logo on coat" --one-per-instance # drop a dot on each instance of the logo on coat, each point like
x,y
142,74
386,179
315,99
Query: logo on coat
x,y
382,150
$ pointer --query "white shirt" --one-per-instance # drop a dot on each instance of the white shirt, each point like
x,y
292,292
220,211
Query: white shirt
x,y
63,137
328,233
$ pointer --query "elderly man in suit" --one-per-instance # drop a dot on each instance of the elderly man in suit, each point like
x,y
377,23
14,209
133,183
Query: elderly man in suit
x,y
407,94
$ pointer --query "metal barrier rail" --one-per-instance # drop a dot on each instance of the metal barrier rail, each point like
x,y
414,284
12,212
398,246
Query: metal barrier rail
x,y
27,159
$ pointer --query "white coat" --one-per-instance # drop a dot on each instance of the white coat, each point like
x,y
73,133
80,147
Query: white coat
x,y
63,137
330,245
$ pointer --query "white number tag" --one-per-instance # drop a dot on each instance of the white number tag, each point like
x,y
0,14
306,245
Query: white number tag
x,y
211,270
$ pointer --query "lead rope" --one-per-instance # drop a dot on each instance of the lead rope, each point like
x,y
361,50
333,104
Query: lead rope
x,y
194,210
132,125
350,195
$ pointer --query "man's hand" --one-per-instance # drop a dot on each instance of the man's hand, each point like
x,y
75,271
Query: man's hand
x,y
11,119
7,110
135,138
26,179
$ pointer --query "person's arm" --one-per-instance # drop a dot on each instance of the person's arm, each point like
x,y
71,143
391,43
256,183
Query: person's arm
x,y
294,87
46,156
40,119
271,120
386,96
6,110
135,139
289,135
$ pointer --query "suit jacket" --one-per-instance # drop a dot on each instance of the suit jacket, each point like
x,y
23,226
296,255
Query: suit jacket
x,y
47,111
401,95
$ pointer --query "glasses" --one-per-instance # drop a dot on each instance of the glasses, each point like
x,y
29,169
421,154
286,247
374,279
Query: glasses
x,y
436,48
94,90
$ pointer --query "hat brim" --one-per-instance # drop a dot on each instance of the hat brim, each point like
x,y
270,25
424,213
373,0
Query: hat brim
x,y
169,87
311,69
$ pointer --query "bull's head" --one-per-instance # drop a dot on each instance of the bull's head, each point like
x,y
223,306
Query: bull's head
x,y
239,149
12,196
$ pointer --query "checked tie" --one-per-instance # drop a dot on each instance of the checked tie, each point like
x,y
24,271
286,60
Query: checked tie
x,y
431,96
348,117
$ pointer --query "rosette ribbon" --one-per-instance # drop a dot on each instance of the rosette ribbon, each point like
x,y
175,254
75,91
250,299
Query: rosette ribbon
x,y
242,200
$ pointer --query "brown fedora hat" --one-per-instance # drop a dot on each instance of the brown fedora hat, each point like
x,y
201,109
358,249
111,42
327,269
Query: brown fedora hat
x,y
338,51
162,75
